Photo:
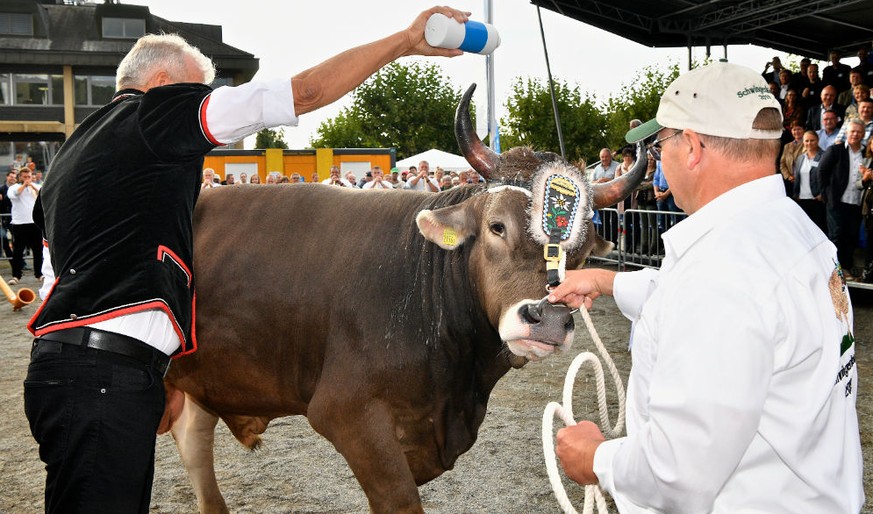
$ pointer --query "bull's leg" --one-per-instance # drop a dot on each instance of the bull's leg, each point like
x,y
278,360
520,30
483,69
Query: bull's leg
x,y
366,439
194,432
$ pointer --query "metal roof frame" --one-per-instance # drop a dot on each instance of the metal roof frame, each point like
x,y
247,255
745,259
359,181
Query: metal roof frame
x,y
810,28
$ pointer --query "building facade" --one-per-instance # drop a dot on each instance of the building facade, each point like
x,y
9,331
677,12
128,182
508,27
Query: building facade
x,y
58,61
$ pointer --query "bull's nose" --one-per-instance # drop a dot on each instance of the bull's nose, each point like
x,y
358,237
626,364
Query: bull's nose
x,y
550,321
533,312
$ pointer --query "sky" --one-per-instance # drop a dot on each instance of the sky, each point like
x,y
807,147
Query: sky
x,y
290,36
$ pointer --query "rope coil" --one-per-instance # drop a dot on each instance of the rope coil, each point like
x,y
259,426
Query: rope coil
x,y
592,492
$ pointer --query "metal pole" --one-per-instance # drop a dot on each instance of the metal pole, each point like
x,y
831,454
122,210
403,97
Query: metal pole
x,y
489,82
552,87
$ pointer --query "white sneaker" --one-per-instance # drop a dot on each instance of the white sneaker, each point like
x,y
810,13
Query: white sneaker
x,y
13,281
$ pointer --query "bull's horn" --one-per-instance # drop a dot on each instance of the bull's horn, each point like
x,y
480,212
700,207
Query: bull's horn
x,y
480,157
24,296
616,190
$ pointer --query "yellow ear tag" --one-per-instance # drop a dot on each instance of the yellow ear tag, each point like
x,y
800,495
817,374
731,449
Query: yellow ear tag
x,y
450,237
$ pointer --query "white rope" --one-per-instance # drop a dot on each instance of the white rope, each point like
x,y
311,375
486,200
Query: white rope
x,y
592,492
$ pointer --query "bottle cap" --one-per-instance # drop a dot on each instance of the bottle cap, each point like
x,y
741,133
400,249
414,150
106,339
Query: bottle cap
x,y
472,36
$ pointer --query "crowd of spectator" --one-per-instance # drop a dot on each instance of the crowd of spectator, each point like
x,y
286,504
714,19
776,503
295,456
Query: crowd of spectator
x,y
825,163
826,154
420,178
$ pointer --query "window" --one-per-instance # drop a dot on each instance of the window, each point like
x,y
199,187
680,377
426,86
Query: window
x,y
42,152
94,89
16,24
235,168
31,89
123,28
57,89
5,82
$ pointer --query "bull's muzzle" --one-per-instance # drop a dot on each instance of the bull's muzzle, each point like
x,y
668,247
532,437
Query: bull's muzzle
x,y
549,322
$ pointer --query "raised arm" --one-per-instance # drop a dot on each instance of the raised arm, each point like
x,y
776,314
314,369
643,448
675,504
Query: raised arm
x,y
327,82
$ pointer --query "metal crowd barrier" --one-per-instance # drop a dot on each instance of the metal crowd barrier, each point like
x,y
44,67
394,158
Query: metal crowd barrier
x,y
637,237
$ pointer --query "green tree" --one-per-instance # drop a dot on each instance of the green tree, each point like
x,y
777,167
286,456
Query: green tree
x,y
343,131
530,120
639,100
271,138
410,107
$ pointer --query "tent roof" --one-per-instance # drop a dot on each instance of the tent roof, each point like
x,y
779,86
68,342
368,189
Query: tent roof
x,y
810,28
445,160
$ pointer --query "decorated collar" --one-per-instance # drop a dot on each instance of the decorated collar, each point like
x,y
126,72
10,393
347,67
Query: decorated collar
x,y
561,203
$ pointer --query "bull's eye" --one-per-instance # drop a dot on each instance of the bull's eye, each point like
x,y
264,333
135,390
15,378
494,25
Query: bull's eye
x,y
497,228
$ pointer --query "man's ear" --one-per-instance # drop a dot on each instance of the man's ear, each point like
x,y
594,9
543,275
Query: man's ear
x,y
161,78
695,153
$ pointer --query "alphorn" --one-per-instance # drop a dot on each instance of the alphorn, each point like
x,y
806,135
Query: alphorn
x,y
18,300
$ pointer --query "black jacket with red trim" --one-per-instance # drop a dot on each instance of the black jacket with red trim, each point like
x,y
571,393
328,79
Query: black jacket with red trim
x,y
117,204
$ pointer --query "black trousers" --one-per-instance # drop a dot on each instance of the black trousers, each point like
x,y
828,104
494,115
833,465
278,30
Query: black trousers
x,y
844,227
5,237
94,415
26,235
815,209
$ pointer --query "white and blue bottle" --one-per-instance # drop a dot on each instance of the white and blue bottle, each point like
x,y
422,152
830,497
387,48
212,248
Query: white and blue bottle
x,y
444,32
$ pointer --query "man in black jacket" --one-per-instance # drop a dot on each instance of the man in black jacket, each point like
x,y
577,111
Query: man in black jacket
x,y
828,103
840,173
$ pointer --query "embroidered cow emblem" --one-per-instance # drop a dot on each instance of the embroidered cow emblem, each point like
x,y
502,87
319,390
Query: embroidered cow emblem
x,y
840,299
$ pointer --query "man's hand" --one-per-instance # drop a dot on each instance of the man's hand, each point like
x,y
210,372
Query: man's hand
x,y
415,33
582,287
576,447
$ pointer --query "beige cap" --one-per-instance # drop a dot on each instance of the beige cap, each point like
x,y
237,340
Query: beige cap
x,y
719,99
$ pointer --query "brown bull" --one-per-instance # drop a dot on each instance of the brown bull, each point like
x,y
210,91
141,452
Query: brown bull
x,y
389,338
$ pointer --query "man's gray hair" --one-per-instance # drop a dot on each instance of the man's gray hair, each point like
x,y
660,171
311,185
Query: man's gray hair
x,y
856,121
156,52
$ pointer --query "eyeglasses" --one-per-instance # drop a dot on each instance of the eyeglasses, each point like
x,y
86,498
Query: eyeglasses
x,y
656,144
654,147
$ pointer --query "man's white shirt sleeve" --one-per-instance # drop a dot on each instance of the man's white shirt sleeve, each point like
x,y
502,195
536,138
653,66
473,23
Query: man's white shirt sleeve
x,y
233,113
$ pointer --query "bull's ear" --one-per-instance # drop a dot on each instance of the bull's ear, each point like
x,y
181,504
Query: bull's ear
x,y
593,245
602,247
448,227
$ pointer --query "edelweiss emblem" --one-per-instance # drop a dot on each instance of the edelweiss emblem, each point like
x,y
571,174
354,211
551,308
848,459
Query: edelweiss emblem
x,y
560,204
562,199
